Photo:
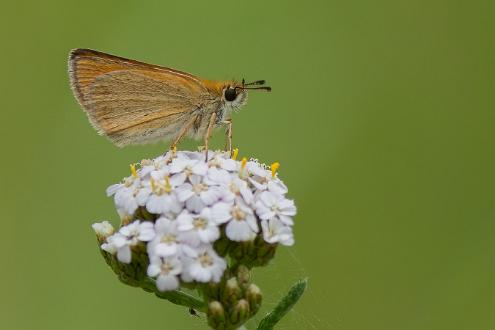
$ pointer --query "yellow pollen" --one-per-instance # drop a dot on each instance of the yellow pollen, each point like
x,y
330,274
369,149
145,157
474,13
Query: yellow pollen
x,y
168,187
235,153
133,170
205,260
153,185
199,223
243,163
168,239
274,167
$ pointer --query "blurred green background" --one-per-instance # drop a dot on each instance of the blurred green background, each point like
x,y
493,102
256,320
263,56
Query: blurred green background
x,y
382,116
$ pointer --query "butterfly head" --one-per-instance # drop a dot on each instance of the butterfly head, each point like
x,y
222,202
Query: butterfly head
x,y
235,94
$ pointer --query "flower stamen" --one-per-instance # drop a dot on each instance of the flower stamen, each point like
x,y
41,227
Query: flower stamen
x,y
133,170
274,168
235,153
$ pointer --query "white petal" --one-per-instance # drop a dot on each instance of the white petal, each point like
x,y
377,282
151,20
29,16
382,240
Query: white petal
x,y
267,215
164,225
229,165
195,204
220,213
210,234
247,194
257,185
178,179
268,198
113,189
184,221
200,168
118,240
103,228
108,247
165,250
124,254
146,235
167,282
184,192
153,269
142,196
286,220
238,231
199,273
218,176
210,196
277,187
253,224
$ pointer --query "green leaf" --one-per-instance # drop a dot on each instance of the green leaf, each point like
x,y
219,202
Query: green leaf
x,y
284,306
176,297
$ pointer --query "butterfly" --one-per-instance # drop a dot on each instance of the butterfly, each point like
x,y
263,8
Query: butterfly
x,y
132,102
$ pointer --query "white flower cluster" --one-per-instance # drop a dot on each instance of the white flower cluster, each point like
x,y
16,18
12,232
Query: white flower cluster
x,y
193,202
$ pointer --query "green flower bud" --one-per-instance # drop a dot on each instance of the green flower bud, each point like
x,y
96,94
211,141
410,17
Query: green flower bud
x,y
254,297
240,313
232,292
216,315
243,275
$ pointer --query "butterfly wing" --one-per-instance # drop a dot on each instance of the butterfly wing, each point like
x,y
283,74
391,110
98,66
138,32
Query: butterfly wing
x,y
132,102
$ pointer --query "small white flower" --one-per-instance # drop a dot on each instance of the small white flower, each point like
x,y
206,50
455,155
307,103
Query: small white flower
x,y
274,231
221,160
150,167
197,229
166,242
109,245
130,235
125,199
271,205
237,188
183,168
197,194
163,199
125,194
242,224
263,179
220,169
103,229
205,266
166,271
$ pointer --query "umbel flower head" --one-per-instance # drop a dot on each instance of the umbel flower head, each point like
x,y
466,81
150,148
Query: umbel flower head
x,y
191,222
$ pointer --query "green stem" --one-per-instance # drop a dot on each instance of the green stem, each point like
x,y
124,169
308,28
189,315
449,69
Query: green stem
x,y
284,306
176,297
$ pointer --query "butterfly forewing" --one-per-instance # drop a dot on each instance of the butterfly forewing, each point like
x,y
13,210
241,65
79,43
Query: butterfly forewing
x,y
133,102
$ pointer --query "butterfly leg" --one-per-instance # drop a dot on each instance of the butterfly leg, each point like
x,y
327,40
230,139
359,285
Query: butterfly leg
x,y
182,132
208,133
228,133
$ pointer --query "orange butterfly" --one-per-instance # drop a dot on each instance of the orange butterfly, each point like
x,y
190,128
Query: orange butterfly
x,y
132,102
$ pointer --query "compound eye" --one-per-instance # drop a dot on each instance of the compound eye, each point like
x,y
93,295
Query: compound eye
x,y
230,94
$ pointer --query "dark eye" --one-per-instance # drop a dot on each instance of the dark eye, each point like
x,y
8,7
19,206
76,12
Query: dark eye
x,y
230,94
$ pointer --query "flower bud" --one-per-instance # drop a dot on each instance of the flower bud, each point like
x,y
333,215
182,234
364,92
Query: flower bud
x,y
240,313
243,275
103,230
265,253
216,315
222,246
254,297
232,292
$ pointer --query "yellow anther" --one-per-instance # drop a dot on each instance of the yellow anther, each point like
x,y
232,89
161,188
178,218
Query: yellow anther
x,y
274,167
174,150
235,153
168,186
243,163
133,170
